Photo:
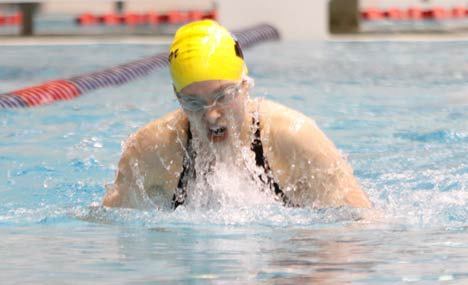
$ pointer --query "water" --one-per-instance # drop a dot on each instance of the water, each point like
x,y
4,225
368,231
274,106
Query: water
x,y
398,110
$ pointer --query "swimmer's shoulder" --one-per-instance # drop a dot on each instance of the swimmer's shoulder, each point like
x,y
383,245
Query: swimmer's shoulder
x,y
292,138
166,133
158,148
152,158
276,113
287,125
300,153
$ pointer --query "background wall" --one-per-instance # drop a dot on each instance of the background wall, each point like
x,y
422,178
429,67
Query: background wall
x,y
295,19
103,6
165,5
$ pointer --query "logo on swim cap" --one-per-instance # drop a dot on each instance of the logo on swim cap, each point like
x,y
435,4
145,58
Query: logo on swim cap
x,y
204,50
173,54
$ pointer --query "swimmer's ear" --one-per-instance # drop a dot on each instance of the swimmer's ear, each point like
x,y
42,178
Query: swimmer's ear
x,y
244,85
247,82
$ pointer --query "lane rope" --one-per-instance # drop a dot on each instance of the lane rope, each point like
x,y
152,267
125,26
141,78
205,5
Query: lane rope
x,y
67,89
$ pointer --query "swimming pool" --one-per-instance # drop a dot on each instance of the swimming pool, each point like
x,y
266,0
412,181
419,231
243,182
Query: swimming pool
x,y
398,110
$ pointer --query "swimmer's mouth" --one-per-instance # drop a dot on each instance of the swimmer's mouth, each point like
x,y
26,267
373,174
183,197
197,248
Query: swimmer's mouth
x,y
217,131
217,134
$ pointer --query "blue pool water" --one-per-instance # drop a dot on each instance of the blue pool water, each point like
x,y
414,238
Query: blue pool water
x,y
398,110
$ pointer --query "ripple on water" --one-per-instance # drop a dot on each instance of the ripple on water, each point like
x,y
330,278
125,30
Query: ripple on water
x,y
441,136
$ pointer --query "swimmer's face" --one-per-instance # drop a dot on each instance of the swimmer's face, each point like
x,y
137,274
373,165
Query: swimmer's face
x,y
216,108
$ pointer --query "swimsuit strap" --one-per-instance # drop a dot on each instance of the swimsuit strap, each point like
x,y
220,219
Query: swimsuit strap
x,y
188,171
260,160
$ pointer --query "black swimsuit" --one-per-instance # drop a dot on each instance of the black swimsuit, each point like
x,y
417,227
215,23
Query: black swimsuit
x,y
188,171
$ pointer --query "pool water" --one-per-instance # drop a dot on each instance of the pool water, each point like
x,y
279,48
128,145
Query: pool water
x,y
397,110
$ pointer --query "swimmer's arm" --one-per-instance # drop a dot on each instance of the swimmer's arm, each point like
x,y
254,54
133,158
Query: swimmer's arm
x,y
150,164
123,192
316,166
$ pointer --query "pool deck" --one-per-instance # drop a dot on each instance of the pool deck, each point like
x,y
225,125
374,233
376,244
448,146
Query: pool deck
x,y
166,40
83,40
404,37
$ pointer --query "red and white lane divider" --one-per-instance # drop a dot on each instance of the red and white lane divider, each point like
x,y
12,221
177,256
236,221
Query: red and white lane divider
x,y
11,19
148,18
414,13
67,89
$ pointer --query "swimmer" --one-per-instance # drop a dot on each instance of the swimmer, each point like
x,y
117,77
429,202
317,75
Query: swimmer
x,y
297,162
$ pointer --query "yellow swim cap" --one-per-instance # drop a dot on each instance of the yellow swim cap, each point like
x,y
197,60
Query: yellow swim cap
x,y
204,50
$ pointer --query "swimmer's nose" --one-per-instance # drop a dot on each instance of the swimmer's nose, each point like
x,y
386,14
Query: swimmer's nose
x,y
212,115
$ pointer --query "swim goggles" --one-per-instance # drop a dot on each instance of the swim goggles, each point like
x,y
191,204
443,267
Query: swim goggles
x,y
221,98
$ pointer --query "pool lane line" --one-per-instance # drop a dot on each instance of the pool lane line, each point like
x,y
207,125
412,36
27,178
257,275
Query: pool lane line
x,y
68,89
11,101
